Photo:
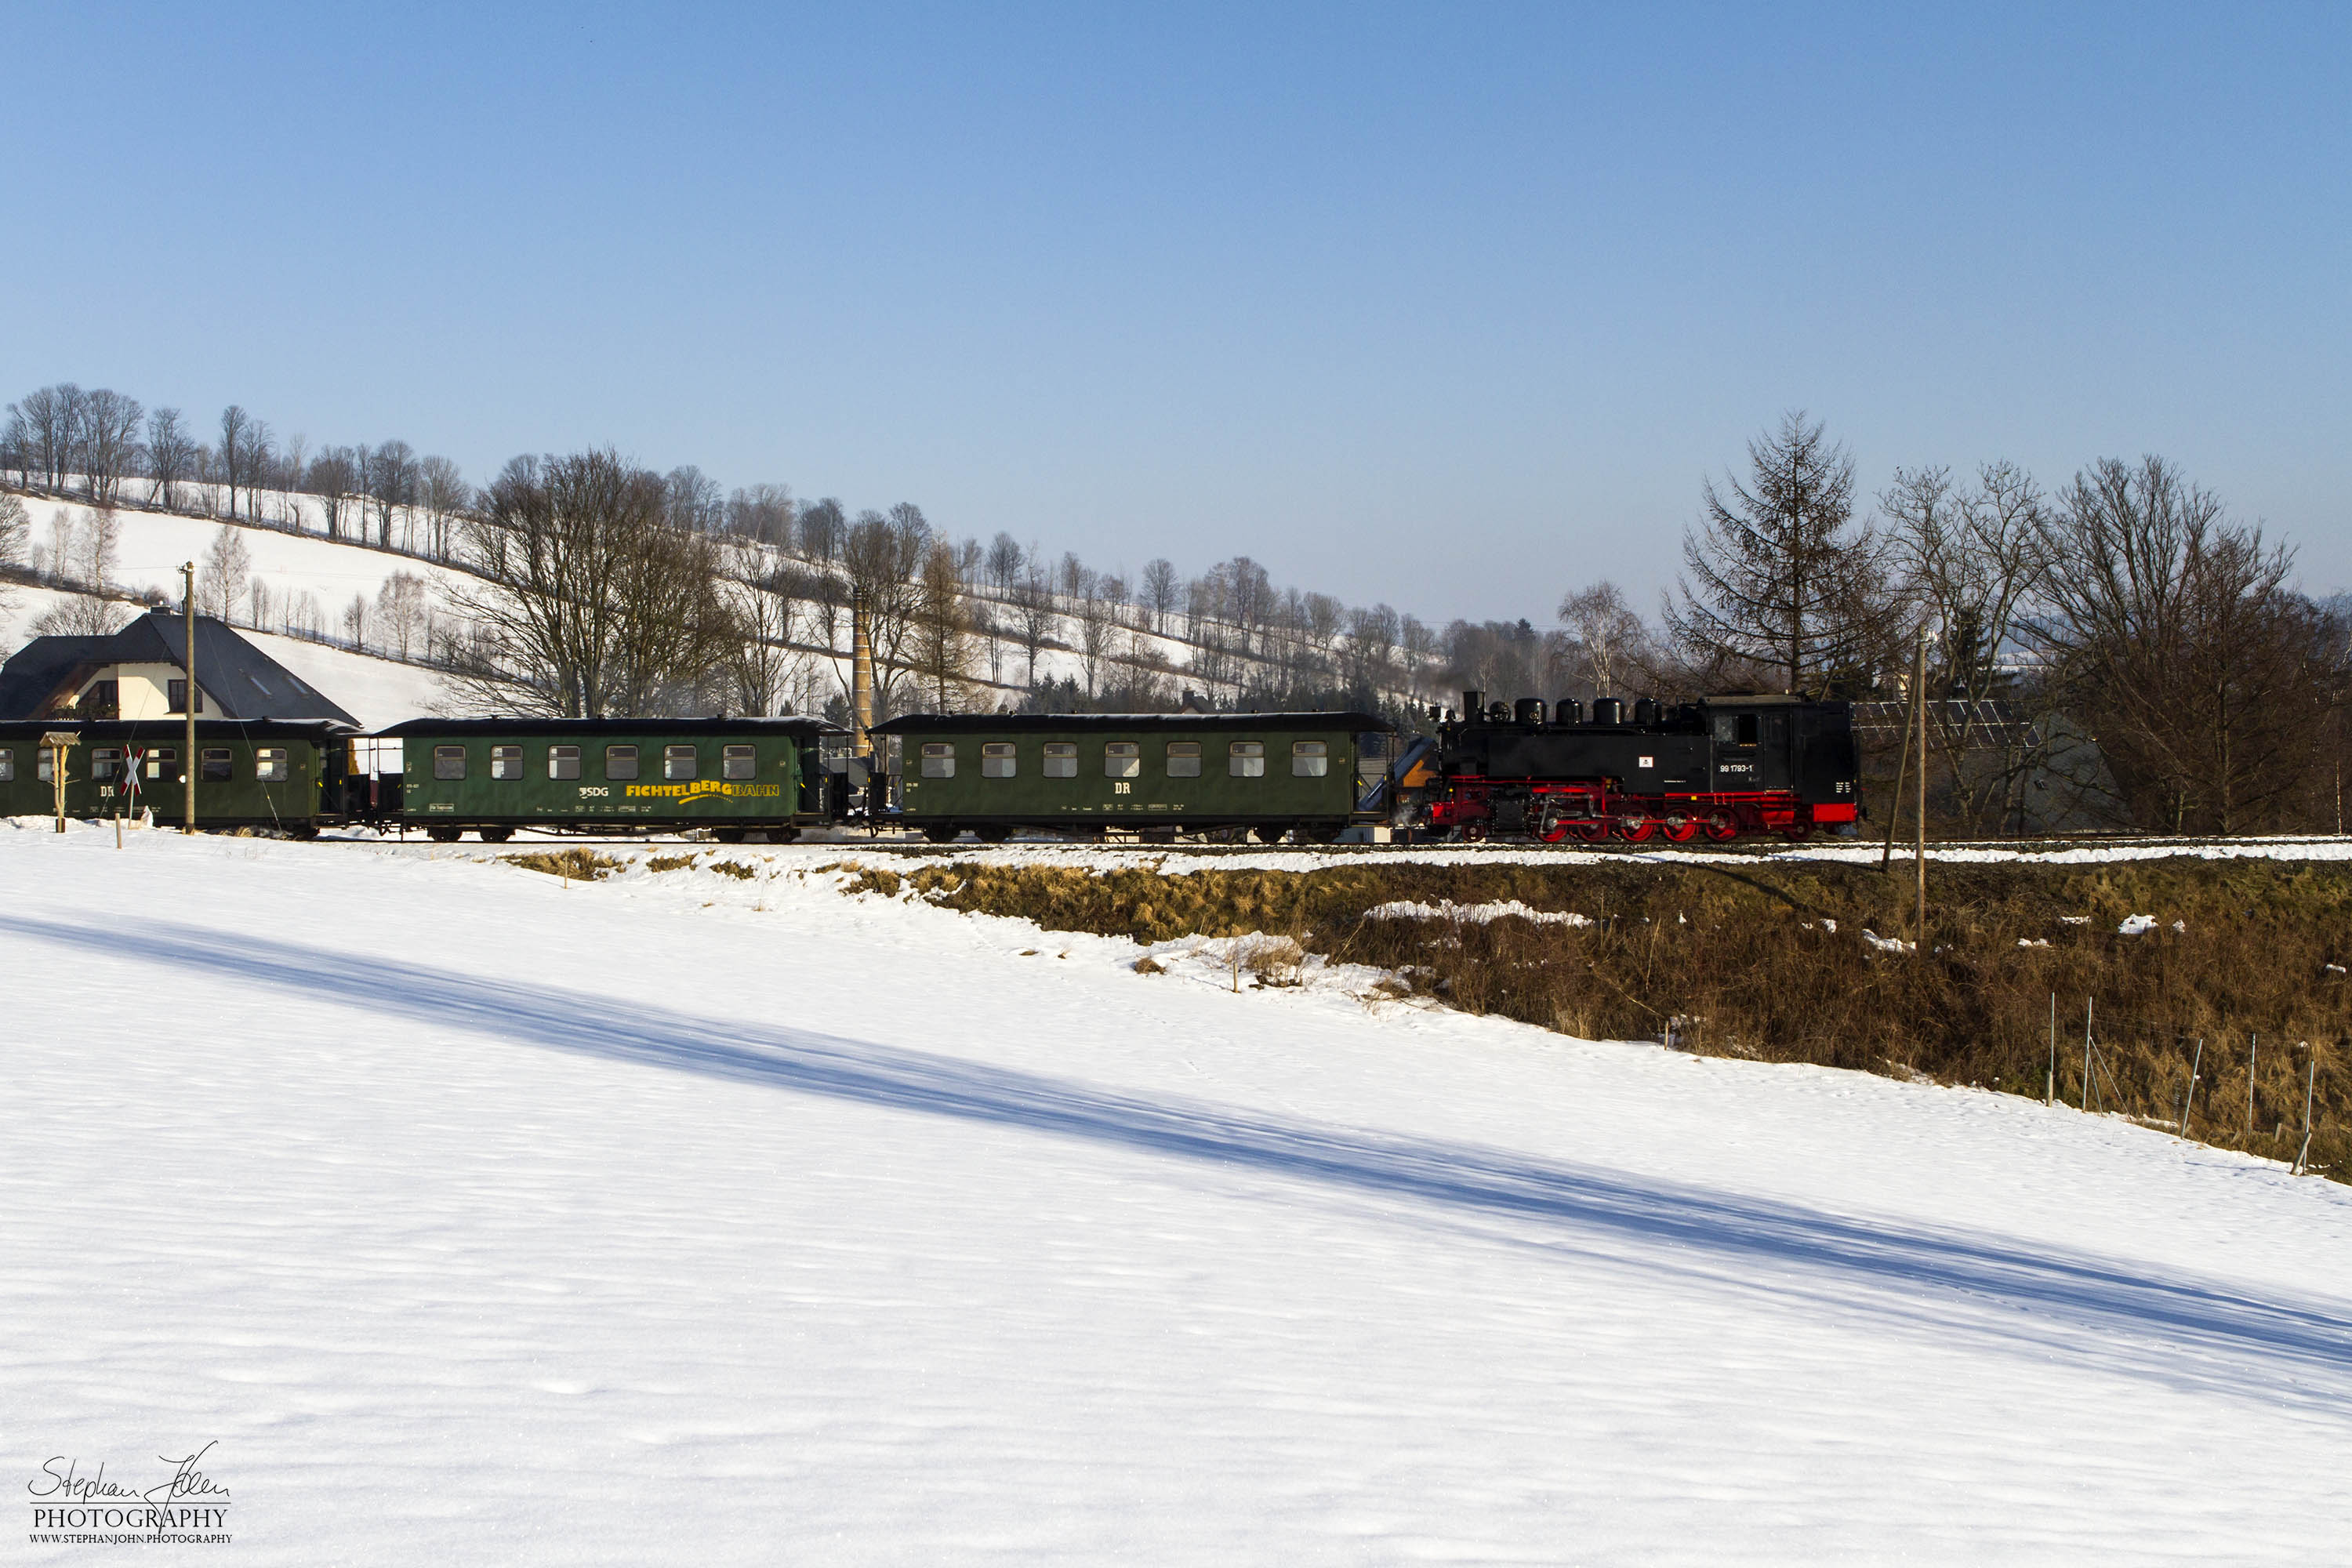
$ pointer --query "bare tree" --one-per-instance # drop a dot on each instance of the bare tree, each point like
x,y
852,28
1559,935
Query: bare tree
x,y
764,513
333,477
392,484
768,599
1603,639
1162,591
1779,573
171,457
441,490
692,500
108,443
590,604
1032,616
2172,635
822,524
234,453
401,613
1096,630
1005,559
355,622
883,558
227,566
15,541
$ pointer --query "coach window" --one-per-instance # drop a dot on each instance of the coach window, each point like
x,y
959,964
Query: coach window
x,y
161,760
738,763
1061,760
1122,760
448,762
103,763
677,761
1309,759
1184,758
7,766
938,760
563,762
214,765
506,761
1246,760
620,764
269,764
997,760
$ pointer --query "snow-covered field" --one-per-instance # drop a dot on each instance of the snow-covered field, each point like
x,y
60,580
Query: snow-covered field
x,y
476,1216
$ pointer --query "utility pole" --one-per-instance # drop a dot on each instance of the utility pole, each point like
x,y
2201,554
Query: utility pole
x,y
1919,856
188,757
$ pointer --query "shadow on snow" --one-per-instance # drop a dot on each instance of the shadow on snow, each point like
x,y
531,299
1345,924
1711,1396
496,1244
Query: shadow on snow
x,y
1724,1234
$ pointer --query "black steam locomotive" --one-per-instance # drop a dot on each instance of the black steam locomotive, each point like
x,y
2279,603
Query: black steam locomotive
x,y
1722,766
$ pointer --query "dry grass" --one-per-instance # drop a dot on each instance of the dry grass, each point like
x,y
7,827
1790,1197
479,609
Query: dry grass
x,y
1767,963
572,865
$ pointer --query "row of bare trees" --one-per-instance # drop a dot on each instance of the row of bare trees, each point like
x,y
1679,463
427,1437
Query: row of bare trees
x,y
100,444
2122,643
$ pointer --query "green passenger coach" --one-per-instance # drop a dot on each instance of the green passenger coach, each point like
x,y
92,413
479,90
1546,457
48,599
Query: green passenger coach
x,y
1152,774
738,777
279,775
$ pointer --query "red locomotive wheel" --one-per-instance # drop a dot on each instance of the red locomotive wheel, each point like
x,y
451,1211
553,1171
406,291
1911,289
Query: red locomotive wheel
x,y
1635,829
1681,829
1720,827
1592,832
1552,833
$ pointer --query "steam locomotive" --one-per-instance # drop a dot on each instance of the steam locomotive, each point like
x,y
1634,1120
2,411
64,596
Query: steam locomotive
x,y
1722,766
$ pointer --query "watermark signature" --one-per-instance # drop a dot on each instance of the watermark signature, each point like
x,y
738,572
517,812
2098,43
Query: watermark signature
x,y
70,1506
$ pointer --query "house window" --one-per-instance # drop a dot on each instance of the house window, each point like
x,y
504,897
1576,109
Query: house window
x,y
938,760
448,762
677,761
506,761
620,764
1061,760
1309,759
7,765
563,762
212,766
738,763
104,762
1246,760
1184,758
269,764
175,694
1122,760
997,760
102,701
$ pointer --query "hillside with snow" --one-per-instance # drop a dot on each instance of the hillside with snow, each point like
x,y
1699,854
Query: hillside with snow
x,y
708,1215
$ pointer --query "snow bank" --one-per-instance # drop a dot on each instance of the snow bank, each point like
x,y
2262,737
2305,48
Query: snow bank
x,y
1479,914
697,1217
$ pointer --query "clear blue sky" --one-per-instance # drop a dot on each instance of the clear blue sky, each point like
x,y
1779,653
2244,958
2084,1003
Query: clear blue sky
x,y
1452,306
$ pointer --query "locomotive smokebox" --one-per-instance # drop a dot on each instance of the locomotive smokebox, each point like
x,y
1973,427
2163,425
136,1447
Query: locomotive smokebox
x,y
1608,711
1529,711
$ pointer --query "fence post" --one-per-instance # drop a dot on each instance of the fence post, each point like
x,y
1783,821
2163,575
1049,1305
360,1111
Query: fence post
x,y
2188,1105
2253,1044
2310,1076
2050,1089
2087,1054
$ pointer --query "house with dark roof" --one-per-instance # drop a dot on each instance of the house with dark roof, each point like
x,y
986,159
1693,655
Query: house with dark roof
x,y
140,672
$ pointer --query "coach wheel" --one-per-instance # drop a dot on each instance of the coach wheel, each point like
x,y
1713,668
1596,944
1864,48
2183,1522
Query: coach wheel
x,y
443,833
942,833
1272,833
993,835
783,834
496,834
1321,833
1681,829
731,835
1635,829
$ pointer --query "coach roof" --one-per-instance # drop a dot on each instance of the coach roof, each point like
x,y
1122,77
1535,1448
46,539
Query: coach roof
x,y
541,725
1052,723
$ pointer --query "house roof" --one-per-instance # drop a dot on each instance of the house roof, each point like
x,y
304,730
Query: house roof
x,y
242,681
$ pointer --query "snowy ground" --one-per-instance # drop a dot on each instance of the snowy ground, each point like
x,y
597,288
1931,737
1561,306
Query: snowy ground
x,y
474,1216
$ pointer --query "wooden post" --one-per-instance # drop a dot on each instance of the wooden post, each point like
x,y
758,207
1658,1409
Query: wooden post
x,y
2086,1053
2050,1089
2188,1105
60,744
188,779
2310,1076
1902,774
2254,1043
1919,685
